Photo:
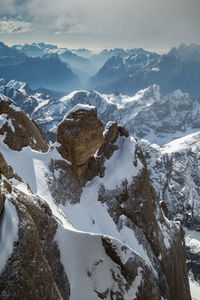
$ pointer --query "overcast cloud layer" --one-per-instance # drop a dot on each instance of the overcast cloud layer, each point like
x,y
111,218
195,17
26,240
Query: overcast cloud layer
x,y
154,24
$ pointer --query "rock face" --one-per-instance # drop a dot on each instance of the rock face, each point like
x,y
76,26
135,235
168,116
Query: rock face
x,y
20,131
131,204
6,170
33,271
80,134
2,199
101,235
174,171
175,174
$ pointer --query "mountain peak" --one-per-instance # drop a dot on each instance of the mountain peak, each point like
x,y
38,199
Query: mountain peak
x,y
153,91
2,45
186,52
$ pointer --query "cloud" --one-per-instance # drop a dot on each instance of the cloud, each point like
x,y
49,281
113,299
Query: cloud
x,y
14,26
120,22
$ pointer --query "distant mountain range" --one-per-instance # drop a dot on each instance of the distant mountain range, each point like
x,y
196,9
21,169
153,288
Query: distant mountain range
x,y
47,71
147,115
77,60
126,71
178,69
10,56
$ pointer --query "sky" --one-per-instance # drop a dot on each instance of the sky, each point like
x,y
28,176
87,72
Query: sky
x,y
95,24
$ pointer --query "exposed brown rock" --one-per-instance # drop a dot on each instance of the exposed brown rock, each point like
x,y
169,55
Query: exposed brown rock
x,y
148,288
80,134
137,201
5,169
111,132
34,270
9,173
20,131
163,205
123,131
2,199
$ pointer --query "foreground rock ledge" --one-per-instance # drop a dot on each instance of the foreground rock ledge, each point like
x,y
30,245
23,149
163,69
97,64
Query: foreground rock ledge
x,y
19,130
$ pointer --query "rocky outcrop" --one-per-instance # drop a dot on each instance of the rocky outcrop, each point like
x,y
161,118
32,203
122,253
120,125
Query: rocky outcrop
x,y
6,170
174,171
2,199
34,270
146,289
133,205
9,173
80,134
19,130
103,231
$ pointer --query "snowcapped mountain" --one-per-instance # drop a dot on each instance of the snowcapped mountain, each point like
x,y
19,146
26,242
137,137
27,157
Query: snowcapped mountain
x,y
174,172
186,53
121,65
126,71
178,69
146,115
35,49
10,57
174,168
47,71
101,58
77,63
24,96
81,216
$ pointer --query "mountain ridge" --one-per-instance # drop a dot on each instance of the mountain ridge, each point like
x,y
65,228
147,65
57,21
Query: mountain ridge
x,y
60,242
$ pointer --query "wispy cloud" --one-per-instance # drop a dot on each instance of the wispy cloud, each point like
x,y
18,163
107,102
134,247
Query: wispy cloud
x,y
14,26
137,22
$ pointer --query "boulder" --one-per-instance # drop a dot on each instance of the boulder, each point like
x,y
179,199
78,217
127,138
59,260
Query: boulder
x,y
80,134
111,132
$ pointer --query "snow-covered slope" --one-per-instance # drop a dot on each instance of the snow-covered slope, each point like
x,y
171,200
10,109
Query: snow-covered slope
x,y
98,235
24,96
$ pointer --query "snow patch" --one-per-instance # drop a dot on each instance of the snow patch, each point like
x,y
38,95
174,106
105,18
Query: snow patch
x,y
8,232
86,262
192,240
15,107
194,289
124,157
81,107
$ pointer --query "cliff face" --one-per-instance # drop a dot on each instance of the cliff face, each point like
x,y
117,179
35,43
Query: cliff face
x,y
33,271
174,171
92,232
